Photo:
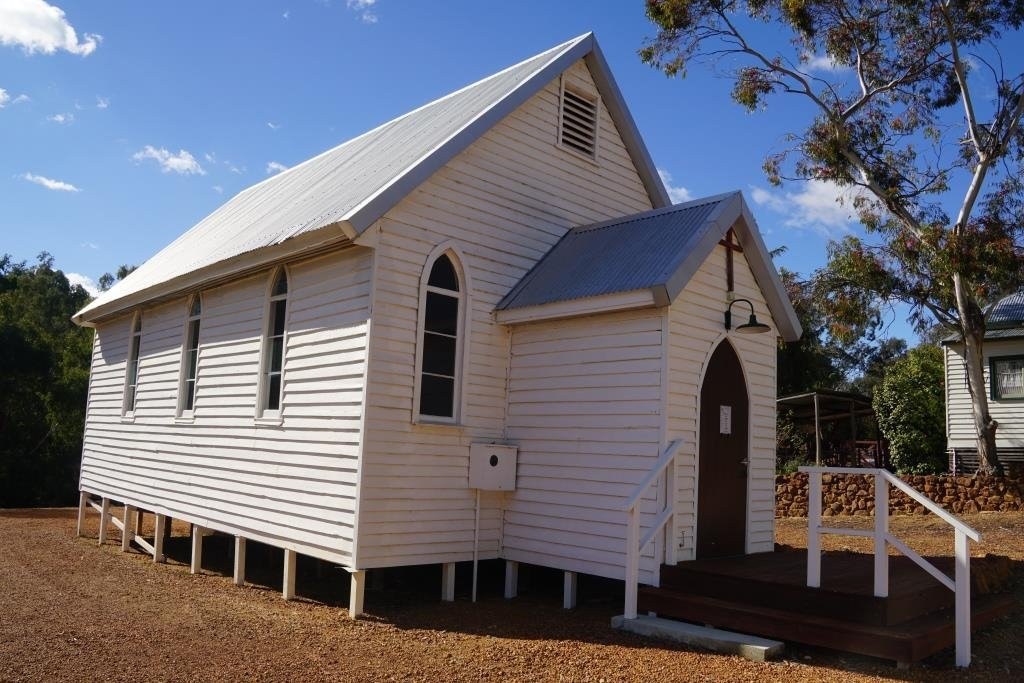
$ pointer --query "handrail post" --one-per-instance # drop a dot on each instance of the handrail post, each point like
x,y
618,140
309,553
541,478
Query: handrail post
x,y
881,533
963,599
813,533
632,562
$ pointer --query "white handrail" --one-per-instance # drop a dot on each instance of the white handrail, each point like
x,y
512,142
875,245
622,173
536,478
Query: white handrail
x,y
659,466
960,584
635,544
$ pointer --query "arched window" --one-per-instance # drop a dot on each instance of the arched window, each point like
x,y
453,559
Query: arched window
x,y
190,358
273,344
442,302
131,381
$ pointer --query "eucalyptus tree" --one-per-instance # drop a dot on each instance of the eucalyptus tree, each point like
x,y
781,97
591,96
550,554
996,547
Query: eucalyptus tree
x,y
916,119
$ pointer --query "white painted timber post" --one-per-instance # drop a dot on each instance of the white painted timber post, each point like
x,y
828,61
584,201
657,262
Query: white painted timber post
x,y
288,591
632,562
569,591
448,582
963,599
104,520
511,579
197,549
138,522
128,528
356,592
239,574
881,533
159,523
83,501
813,529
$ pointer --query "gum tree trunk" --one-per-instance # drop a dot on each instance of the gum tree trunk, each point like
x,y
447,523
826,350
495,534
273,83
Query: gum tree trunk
x,y
972,323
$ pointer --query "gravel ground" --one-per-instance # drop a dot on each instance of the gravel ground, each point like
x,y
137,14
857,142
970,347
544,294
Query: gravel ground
x,y
71,610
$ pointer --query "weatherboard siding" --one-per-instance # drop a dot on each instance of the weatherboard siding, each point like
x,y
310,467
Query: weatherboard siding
x,y
585,409
292,485
959,420
696,328
503,203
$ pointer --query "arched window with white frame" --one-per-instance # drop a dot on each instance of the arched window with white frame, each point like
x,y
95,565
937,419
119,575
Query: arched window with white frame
x,y
190,358
131,379
441,339
271,375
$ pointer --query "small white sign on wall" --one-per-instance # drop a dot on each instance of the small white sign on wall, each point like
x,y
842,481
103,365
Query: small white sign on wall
x,y
725,419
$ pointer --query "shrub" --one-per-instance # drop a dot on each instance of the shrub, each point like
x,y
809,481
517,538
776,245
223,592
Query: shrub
x,y
910,406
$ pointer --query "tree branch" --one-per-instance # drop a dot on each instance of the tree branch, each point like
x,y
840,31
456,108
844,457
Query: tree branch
x,y
961,79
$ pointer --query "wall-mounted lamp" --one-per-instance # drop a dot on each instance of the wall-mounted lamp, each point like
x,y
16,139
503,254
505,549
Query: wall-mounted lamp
x,y
749,327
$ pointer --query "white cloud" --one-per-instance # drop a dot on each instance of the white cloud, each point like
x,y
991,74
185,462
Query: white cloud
x,y
182,163
102,102
210,157
275,167
37,26
816,206
50,183
87,283
61,118
4,98
287,14
234,169
218,189
21,99
677,193
89,245
821,63
364,8
273,126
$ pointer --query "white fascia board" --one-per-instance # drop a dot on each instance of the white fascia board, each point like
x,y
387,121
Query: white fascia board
x,y
374,207
767,276
630,134
308,244
593,305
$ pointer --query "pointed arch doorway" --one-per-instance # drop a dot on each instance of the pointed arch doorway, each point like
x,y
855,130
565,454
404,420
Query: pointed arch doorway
x,y
723,458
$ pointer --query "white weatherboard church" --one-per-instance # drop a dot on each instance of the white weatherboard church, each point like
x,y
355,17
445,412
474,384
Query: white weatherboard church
x,y
479,329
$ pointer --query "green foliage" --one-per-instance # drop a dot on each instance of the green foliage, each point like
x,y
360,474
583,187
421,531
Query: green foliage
x,y
791,445
44,374
910,405
920,127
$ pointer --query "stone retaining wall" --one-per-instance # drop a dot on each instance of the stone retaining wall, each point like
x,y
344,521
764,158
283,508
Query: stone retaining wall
x,y
854,494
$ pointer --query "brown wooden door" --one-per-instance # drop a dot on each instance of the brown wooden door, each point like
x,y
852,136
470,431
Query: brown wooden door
x,y
722,474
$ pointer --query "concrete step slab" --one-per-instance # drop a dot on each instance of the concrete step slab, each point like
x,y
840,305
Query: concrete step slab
x,y
727,642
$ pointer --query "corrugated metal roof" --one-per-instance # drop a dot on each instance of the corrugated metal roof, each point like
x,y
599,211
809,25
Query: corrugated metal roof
x,y
641,251
356,182
1007,311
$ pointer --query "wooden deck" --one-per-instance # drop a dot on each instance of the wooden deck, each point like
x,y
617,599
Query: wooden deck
x,y
766,594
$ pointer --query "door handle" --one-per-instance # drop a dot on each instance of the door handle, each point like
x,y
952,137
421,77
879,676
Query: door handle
x,y
745,462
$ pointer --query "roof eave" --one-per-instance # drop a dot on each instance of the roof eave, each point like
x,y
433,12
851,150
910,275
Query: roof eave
x,y
301,246
373,208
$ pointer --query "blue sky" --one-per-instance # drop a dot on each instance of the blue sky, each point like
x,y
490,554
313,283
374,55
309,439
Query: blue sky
x,y
117,138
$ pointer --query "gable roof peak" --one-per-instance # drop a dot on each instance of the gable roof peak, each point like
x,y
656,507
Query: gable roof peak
x,y
339,193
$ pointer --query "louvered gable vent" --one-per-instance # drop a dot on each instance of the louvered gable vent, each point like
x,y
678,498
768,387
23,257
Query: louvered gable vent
x,y
579,123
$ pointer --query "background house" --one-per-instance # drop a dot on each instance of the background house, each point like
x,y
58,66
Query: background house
x,y
1004,380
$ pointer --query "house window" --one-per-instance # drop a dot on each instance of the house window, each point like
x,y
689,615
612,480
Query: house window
x,y
577,130
1007,377
190,357
439,369
273,349
132,371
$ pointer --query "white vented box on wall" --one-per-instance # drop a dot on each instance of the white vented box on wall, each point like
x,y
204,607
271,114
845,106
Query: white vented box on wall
x,y
492,467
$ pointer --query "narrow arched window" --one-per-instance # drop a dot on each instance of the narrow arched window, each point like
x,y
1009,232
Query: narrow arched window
x,y
131,383
190,358
273,349
442,303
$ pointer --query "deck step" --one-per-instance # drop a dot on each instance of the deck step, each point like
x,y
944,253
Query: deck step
x,y
923,597
727,642
909,641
